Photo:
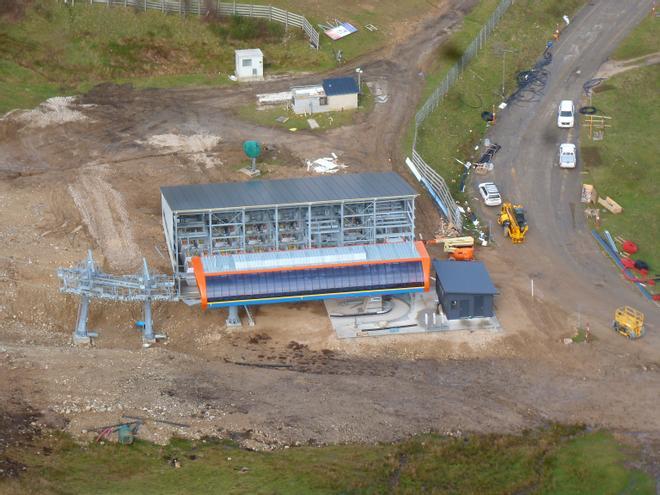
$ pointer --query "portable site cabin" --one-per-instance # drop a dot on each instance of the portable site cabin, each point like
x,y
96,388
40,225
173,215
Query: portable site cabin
x,y
331,96
464,289
249,65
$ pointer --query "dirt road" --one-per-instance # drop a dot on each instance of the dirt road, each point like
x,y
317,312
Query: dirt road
x,y
560,254
288,379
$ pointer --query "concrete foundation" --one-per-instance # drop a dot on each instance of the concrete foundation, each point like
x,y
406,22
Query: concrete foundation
x,y
416,313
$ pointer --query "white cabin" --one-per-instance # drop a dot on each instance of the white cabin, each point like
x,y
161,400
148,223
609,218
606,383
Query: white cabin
x,y
249,65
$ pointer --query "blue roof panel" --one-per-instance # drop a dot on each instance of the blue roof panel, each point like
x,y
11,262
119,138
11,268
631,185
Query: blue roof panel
x,y
340,86
314,281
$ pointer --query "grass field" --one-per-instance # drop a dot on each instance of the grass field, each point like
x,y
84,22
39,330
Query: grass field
x,y
47,49
642,41
456,126
50,49
556,461
625,165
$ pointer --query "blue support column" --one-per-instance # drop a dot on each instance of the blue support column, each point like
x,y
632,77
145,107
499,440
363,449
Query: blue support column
x,y
233,320
81,335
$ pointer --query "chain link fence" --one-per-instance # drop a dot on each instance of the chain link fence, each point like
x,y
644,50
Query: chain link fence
x,y
440,188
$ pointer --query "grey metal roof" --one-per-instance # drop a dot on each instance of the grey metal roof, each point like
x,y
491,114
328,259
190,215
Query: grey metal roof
x,y
309,257
464,277
260,193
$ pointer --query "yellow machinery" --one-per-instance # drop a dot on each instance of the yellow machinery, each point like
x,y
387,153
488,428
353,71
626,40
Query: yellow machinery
x,y
629,322
512,218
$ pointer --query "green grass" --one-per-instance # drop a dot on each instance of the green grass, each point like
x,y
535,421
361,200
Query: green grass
x,y
329,120
642,41
53,50
624,164
456,126
557,460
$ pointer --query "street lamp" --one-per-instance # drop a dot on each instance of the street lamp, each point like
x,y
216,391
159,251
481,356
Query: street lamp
x,y
359,73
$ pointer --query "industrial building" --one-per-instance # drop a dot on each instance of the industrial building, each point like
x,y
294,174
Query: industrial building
x,y
338,211
331,96
464,289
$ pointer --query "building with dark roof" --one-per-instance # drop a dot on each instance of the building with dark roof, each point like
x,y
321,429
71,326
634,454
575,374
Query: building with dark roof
x,y
464,289
332,95
285,215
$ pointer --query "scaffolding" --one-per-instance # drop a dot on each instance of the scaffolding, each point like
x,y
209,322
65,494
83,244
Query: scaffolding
x,y
88,282
278,228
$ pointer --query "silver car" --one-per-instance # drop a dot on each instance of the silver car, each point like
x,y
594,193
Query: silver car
x,y
490,194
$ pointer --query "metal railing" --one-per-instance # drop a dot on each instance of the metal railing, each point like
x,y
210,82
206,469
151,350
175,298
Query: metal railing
x,y
202,7
451,210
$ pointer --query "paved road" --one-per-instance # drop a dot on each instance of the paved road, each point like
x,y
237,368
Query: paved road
x,y
560,254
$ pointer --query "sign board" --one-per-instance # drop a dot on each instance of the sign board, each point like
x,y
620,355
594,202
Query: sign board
x,y
340,31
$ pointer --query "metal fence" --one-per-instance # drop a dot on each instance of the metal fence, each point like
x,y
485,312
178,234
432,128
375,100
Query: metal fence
x,y
202,7
439,186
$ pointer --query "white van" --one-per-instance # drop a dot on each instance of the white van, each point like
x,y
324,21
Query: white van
x,y
566,114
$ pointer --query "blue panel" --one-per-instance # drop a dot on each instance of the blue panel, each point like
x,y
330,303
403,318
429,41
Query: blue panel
x,y
312,297
314,281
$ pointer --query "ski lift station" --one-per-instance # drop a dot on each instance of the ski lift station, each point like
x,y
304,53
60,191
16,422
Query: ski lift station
x,y
270,241
249,65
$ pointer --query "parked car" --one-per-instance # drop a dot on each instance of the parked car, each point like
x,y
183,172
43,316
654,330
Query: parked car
x,y
567,157
566,114
490,194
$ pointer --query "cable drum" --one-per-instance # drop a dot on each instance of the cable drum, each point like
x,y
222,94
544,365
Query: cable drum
x,y
487,116
588,110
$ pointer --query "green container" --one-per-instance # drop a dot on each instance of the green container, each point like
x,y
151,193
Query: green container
x,y
125,434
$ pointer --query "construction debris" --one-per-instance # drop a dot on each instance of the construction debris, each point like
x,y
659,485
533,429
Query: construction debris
x,y
313,124
589,194
610,205
487,157
281,98
325,165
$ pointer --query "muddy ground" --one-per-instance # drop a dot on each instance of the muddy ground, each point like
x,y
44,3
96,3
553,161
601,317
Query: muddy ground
x,y
85,174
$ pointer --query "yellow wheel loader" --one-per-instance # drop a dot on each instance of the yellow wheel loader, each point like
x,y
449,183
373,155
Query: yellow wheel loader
x,y
512,219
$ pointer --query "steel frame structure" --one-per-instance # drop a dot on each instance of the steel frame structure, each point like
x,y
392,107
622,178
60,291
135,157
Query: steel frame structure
x,y
88,282
286,226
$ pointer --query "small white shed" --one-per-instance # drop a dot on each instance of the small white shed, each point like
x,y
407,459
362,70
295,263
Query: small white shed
x,y
331,96
249,65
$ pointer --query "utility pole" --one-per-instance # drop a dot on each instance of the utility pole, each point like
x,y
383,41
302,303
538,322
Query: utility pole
x,y
504,52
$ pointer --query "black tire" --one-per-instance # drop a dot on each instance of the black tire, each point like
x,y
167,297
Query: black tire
x,y
487,116
588,110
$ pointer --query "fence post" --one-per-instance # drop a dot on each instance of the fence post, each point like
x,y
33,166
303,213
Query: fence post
x,y
162,5
145,5
286,21
234,7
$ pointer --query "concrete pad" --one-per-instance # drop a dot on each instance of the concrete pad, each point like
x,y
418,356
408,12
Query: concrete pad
x,y
403,315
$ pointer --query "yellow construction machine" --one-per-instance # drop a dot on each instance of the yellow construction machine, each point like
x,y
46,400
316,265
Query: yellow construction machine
x,y
629,322
512,218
